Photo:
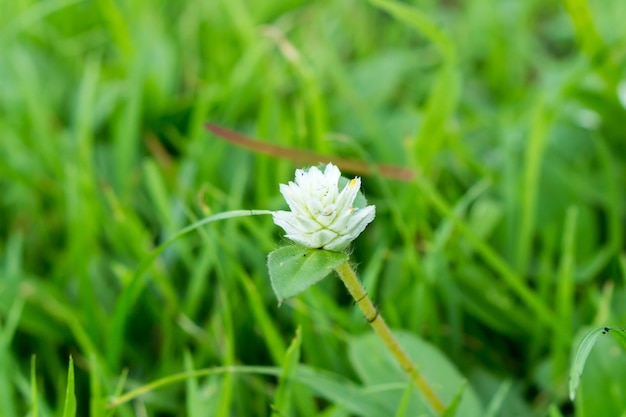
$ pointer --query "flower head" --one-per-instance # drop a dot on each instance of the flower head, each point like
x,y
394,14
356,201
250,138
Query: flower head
x,y
321,215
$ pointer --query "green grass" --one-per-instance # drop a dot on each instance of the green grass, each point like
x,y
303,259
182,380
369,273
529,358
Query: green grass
x,y
503,252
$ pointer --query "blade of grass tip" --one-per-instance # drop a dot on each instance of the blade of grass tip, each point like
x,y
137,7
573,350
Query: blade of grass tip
x,y
405,401
34,406
69,410
454,404
283,395
131,292
580,358
307,157
604,304
619,334
494,406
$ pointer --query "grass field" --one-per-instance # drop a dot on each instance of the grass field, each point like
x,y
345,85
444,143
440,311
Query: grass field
x,y
492,261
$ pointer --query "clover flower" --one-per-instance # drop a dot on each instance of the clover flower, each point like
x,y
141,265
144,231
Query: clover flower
x,y
321,216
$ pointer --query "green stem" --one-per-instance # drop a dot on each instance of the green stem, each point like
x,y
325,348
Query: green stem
x,y
352,283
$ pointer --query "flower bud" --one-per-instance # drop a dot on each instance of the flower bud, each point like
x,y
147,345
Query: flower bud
x,y
321,216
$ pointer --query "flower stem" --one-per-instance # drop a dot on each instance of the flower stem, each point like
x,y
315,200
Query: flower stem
x,y
352,283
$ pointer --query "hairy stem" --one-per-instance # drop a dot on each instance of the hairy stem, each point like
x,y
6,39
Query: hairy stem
x,y
352,283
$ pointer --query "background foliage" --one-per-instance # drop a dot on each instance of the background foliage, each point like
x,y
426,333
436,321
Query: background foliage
x,y
503,249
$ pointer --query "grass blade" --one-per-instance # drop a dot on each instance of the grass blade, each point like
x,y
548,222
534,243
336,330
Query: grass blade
x,y
619,335
580,358
283,396
456,400
131,292
69,410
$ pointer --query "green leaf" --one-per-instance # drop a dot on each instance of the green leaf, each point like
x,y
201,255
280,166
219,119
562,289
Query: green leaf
x,y
344,393
581,357
375,366
295,268
284,392
600,390
330,386
70,397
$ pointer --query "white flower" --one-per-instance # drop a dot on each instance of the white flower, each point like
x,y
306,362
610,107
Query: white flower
x,y
321,216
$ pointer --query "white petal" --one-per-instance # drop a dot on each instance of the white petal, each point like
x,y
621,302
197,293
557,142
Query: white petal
x,y
308,179
304,240
314,205
339,244
322,237
328,216
307,224
332,175
353,226
296,199
360,219
300,176
348,194
342,223
287,220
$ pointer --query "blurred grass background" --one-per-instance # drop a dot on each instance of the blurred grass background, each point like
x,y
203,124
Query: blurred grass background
x,y
506,245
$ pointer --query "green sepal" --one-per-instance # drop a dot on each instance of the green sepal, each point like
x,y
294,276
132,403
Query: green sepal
x,y
295,268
